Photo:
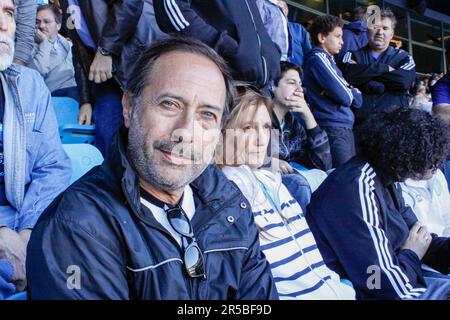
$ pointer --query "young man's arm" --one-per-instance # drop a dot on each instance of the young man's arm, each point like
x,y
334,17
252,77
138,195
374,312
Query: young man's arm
x,y
177,16
316,147
121,24
334,86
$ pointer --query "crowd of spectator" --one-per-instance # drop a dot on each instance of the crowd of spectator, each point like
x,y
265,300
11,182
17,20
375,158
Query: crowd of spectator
x,y
246,157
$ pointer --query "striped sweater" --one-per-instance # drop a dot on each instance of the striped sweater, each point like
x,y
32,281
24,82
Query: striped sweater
x,y
285,238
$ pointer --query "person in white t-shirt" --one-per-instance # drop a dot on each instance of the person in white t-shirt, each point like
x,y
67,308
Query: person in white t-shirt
x,y
430,201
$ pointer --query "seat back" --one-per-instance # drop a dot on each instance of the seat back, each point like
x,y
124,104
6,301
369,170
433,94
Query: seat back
x,y
83,158
70,131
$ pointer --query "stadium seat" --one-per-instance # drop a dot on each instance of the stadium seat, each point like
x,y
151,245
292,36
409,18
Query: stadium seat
x,y
70,131
83,158
18,296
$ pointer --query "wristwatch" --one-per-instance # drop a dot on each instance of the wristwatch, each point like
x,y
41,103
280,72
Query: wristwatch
x,y
103,51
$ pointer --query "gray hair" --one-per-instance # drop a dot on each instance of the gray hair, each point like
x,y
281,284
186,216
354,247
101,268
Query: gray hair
x,y
141,75
389,14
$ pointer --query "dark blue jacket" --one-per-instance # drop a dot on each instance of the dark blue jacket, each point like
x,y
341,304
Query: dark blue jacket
x,y
382,90
233,28
329,95
99,231
299,43
354,36
360,223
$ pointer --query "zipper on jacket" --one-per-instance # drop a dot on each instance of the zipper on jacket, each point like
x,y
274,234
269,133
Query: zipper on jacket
x,y
264,64
188,280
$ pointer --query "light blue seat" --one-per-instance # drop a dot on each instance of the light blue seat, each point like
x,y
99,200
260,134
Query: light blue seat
x,y
70,131
18,296
83,158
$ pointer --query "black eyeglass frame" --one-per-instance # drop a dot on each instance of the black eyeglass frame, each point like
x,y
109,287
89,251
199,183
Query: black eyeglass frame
x,y
191,270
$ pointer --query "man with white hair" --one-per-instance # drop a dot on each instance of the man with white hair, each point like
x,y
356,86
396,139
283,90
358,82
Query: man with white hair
x,y
33,166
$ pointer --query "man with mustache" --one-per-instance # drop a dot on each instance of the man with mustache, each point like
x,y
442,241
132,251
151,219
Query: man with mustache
x,y
382,73
52,53
34,168
155,222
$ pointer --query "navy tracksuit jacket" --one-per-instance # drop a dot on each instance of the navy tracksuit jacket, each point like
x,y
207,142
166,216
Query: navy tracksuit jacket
x,y
382,90
360,223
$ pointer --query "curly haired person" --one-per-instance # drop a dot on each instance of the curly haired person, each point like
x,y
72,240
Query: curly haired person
x,y
362,226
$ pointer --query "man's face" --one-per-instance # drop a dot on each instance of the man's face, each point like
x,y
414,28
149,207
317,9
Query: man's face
x,y
45,22
381,34
288,84
332,43
7,31
174,131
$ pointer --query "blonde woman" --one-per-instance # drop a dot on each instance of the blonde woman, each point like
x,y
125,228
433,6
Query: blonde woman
x,y
297,265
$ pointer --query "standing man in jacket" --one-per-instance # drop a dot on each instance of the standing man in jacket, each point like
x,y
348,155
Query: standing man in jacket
x,y
234,29
156,221
34,168
382,73
363,228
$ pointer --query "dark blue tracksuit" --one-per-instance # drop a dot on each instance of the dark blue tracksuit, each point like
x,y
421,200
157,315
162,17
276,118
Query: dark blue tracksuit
x,y
331,99
360,223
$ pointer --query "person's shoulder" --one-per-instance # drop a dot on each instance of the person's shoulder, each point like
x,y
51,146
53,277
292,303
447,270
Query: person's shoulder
x,y
351,172
315,55
93,199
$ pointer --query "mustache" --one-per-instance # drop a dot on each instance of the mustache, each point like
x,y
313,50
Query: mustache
x,y
177,148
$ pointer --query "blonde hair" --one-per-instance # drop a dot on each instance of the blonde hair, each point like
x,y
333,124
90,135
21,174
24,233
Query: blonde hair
x,y
246,99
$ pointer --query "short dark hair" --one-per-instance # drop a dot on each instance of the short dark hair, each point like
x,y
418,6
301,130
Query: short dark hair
x,y
140,76
389,14
285,66
54,9
405,143
359,13
325,25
